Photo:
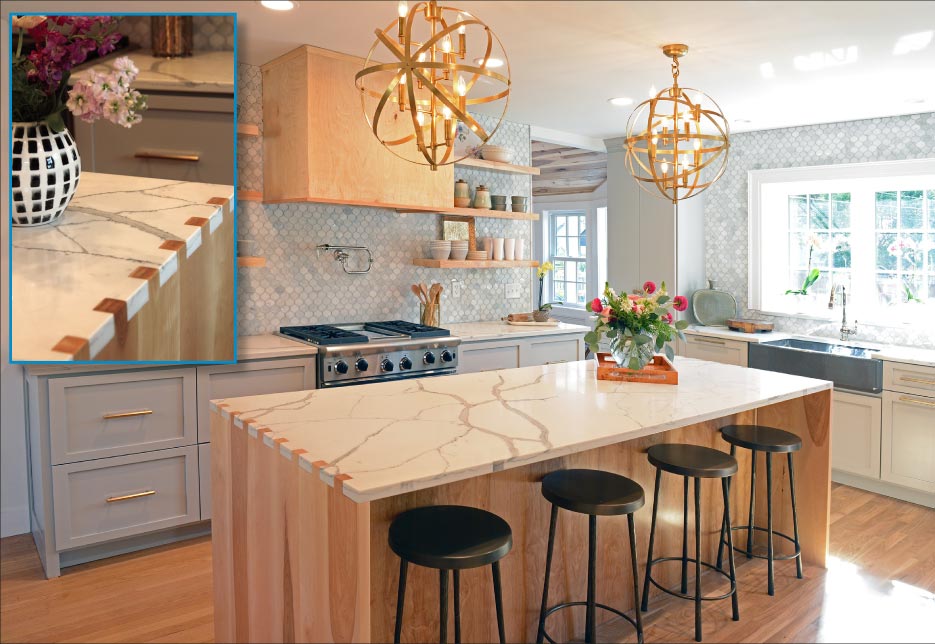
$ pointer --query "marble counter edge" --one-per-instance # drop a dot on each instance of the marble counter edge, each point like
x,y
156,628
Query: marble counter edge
x,y
145,61
498,331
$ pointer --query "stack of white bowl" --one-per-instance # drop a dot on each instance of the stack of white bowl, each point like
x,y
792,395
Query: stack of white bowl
x,y
497,153
440,249
459,249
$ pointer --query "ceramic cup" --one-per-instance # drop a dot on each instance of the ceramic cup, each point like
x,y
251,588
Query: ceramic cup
x,y
520,249
519,204
488,246
498,248
509,249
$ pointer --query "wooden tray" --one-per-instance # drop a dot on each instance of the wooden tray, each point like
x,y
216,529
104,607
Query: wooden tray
x,y
660,371
549,323
749,326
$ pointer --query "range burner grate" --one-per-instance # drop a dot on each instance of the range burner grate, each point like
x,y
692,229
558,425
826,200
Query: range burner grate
x,y
408,328
323,334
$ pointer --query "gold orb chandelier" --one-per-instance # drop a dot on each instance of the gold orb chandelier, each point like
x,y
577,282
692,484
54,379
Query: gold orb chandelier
x,y
677,141
417,104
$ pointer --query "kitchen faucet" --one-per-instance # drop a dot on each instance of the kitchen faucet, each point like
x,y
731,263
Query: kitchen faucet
x,y
846,331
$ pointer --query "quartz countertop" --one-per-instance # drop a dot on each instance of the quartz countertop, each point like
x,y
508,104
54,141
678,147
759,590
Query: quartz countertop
x,y
498,330
114,227
204,71
394,437
730,334
256,347
908,355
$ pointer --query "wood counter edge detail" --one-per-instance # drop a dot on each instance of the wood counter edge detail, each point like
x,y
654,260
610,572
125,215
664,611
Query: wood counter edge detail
x,y
77,348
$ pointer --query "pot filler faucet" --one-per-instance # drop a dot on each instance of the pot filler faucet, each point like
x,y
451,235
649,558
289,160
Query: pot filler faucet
x,y
846,331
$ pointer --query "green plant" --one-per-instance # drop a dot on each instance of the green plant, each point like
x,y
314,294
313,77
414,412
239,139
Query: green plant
x,y
810,279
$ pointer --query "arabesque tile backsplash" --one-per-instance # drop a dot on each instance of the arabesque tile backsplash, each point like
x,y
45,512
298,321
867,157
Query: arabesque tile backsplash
x,y
880,139
299,287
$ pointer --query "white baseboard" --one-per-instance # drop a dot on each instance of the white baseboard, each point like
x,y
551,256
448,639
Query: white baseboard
x,y
14,521
886,489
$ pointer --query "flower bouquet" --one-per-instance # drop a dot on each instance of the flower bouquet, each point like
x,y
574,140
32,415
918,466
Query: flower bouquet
x,y
638,324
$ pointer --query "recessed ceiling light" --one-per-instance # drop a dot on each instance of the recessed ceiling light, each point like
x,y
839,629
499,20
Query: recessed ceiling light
x,y
912,42
491,62
620,101
278,5
741,120
767,70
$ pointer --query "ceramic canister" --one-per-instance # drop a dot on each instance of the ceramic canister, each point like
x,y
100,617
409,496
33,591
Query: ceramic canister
x,y
482,197
520,249
509,248
498,248
462,189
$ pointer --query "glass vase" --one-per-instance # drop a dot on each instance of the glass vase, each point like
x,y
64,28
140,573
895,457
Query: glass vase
x,y
631,355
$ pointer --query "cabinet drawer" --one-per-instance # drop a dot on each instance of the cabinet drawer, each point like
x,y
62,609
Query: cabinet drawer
x,y
487,357
124,495
910,379
714,349
551,351
908,441
855,434
114,414
249,379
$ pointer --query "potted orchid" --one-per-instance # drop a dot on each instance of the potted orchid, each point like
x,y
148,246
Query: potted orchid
x,y
45,162
638,324
545,309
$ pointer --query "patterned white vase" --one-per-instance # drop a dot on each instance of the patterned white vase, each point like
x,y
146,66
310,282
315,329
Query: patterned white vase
x,y
45,169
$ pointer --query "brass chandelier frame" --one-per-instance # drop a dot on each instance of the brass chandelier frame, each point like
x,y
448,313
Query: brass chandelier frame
x,y
672,134
435,65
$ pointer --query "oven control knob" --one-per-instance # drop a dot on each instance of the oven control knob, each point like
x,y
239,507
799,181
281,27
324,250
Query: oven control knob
x,y
428,358
405,364
447,356
362,364
386,365
341,367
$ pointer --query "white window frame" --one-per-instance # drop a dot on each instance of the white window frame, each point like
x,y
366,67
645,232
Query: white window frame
x,y
768,192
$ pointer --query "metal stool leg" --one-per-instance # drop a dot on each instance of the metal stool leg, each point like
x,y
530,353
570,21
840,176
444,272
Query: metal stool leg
x,y
400,599
590,623
769,523
644,605
795,521
685,537
697,558
752,503
457,579
498,599
720,543
725,488
442,606
636,578
540,636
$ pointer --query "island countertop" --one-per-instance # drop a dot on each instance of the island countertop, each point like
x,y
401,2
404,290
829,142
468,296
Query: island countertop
x,y
204,71
119,240
385,439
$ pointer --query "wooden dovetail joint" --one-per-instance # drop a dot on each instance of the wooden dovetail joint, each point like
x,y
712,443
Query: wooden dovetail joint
x,y
118,309
144,272
196,221
339,480
172,244
218,201
320,465
72,345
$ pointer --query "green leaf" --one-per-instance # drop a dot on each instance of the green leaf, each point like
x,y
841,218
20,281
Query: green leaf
x,y
612,334
634,364
670,352
641,339
591,337
55,122
681,324
662,299
660,341
682,336
587,306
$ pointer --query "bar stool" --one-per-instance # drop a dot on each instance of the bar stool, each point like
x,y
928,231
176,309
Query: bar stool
x,y
697,462
594,493
449,537
769,440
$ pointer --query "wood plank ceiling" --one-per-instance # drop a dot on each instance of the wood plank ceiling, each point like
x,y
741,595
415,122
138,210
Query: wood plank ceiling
x,y
565,170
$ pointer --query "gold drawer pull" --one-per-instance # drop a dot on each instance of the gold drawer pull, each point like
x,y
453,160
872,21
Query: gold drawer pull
x,y
557,362
168,156
128,414
127,497
707,341
916,401
923,381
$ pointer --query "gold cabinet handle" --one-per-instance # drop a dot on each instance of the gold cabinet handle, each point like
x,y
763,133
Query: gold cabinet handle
x,y
127,497
709,341
923,381
128,414
557,362
168,156
916,401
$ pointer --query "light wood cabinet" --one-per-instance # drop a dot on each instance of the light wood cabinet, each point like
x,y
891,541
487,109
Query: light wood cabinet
x,y
318,147
855,434
908,448
715,349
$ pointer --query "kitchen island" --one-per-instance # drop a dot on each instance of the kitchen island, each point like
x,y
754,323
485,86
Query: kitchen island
x,y
305,485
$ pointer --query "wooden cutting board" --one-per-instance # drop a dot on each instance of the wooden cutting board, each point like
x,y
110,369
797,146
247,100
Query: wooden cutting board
x,y
749,326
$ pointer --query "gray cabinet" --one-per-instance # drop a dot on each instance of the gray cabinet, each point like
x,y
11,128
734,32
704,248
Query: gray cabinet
x,y
490,355
855,434
715,349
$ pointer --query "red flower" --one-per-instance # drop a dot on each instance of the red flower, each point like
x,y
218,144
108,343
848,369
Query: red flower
x,y
596,306
667,318
680,303
649,287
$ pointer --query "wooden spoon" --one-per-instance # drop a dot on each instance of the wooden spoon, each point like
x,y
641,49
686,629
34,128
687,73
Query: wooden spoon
x,y
418,292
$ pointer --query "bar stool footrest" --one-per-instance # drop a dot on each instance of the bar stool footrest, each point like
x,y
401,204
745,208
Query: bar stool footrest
x,y
691,560
559,607
757,555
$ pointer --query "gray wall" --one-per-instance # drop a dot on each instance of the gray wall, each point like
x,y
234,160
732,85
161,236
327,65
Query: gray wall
x,y
886,139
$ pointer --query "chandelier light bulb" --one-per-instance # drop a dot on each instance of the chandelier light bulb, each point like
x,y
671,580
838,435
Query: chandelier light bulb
x,y
420,118
697,144
446,44
402,8
446,111
462,86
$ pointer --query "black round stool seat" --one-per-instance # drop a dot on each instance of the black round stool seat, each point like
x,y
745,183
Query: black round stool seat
x,y
450,537
762,438
593,492
692,460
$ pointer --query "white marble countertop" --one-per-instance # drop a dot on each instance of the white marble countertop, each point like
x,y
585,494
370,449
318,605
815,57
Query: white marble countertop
x,y
256,347
399,436
498,330
729,334
908,355
114,226
204,71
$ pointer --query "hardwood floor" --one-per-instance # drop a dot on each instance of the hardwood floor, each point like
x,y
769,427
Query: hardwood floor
x,y
879,587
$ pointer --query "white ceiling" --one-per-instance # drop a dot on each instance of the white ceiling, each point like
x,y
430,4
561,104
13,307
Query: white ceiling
x,y
568,58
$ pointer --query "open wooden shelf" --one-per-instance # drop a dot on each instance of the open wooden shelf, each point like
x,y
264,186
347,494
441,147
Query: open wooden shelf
x,y
473,212
497,166
250,195
251,262
465,263
249,129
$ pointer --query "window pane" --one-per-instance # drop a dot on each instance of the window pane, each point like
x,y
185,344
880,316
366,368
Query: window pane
x,y
931,288
889,288
910,251
841,249
559,273
886,210
798,250
798,212
841,211
910,209
887,251
930,197
582,294
820,244
559,225
572,230
561,247
818,212
582,272
930,245
559,292
583,241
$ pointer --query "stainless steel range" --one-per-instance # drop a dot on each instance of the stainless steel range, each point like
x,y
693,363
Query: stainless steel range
x,y
352,354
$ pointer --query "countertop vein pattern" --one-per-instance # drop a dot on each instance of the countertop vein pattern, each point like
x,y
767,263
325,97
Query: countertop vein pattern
x,y
400,436
204,71
114,226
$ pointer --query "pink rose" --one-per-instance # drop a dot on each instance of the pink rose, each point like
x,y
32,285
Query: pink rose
x,y
667,318
649,287
680,302
638,309
633,297
596,306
